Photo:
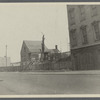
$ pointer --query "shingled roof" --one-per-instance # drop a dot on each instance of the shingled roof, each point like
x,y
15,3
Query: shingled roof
x,y
34,46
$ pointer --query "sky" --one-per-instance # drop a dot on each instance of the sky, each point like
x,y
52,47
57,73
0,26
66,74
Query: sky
x,y
27,21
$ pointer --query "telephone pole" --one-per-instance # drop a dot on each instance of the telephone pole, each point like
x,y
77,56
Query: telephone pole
x,y
6,55
43,47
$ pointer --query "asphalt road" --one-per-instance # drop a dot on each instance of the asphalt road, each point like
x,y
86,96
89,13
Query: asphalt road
x,y
30,83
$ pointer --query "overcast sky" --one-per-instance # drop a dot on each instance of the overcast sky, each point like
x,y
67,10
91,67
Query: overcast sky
x,y
26,21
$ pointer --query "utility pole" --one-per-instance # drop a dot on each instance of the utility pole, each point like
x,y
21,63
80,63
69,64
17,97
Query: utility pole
x,y
43,44
6,55
43,47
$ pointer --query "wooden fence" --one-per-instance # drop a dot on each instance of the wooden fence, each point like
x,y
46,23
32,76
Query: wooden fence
x,y
49,66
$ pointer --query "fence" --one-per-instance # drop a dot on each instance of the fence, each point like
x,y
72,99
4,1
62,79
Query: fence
x,y
49,66
10,69
63,65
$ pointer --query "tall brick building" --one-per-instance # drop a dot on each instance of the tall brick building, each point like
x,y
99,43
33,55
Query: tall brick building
x,y
84,32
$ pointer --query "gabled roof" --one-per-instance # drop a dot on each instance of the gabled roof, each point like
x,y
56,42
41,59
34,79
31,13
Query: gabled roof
x,y
53,51
33,46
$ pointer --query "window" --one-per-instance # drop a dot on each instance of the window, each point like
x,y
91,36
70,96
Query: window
x,y
84,35
96,29
94,10
29,55
72,16
24,49
73,37
82,12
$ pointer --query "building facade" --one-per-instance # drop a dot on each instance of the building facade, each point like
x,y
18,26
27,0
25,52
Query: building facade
x,y
84,32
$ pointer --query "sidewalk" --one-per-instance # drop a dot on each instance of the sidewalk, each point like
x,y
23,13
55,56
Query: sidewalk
x,y
88,72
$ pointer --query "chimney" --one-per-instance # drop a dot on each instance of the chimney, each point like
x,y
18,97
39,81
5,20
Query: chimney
x,y
56,47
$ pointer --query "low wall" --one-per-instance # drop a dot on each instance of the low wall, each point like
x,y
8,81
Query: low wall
x,y
10,69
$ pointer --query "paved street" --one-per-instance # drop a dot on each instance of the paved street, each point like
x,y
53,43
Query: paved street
x,y
22,83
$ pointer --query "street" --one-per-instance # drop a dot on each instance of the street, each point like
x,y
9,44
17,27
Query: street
x,y
30,83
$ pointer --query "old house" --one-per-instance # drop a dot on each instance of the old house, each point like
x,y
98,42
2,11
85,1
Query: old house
x,y
53,54
30,51
49,54
84,32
